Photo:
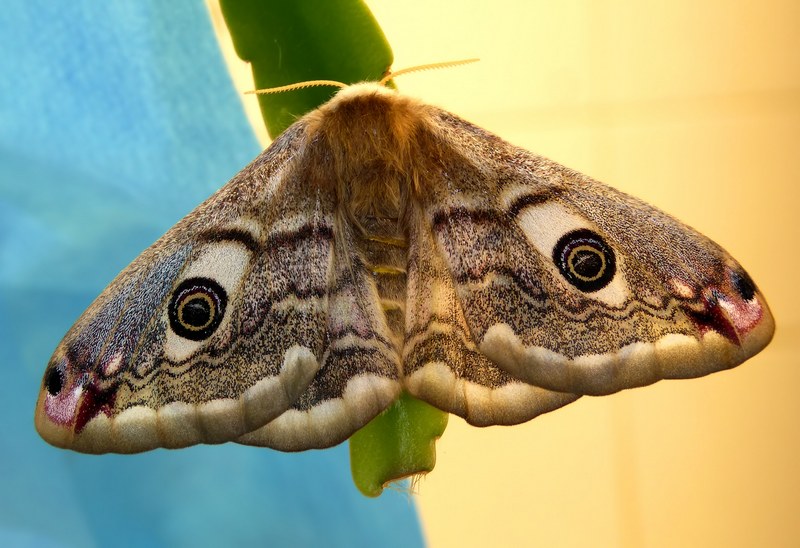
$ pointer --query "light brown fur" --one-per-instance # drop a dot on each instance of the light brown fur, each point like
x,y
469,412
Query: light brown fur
x,y
367,144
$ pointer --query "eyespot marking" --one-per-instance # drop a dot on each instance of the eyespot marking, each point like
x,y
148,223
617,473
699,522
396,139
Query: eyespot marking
x,y
585,260
546,224
220,268
197,308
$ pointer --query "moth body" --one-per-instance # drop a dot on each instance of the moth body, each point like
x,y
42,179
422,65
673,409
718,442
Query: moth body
x,y
381,244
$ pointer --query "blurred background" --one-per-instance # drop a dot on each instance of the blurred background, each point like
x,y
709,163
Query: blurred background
x,y
694,107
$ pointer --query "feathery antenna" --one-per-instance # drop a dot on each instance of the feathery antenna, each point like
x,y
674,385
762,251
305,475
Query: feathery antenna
x,y
334,83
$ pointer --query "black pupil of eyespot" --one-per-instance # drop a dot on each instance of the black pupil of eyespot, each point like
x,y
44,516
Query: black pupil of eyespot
x,y
587,263
54,381
196,312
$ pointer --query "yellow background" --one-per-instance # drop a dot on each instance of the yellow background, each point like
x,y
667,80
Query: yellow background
x,y
694,107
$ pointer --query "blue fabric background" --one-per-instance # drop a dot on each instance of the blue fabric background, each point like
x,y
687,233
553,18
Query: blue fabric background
x,y
116,119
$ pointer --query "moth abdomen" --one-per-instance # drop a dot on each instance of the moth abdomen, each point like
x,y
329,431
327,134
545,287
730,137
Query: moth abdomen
x,y
384,250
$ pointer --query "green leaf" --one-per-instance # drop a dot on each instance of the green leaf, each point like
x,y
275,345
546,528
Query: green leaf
x,y
289,41
286,42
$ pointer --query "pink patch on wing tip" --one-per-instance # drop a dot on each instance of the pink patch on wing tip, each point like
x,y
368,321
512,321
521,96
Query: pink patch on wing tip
x,y
744,315
61,408
730,315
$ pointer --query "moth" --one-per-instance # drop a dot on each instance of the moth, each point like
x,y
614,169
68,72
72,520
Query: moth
x,y
379,245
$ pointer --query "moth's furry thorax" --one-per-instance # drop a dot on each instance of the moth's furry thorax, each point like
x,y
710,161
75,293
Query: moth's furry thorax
x,y
369,141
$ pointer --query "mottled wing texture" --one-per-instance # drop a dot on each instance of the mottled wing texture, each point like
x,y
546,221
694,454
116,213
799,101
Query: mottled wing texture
x,y
562,282
442,363
246,310
382,244
359,377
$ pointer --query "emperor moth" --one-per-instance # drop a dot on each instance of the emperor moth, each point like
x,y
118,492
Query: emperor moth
x,y
378,245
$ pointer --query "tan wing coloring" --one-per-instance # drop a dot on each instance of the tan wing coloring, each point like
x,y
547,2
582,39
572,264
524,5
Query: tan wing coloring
x,y
382,244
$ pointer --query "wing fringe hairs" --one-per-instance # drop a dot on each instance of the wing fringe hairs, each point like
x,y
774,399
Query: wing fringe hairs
x,y
379,245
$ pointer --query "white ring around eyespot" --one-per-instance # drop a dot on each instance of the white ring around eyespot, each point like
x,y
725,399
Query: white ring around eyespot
x,y
224,262
545,224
